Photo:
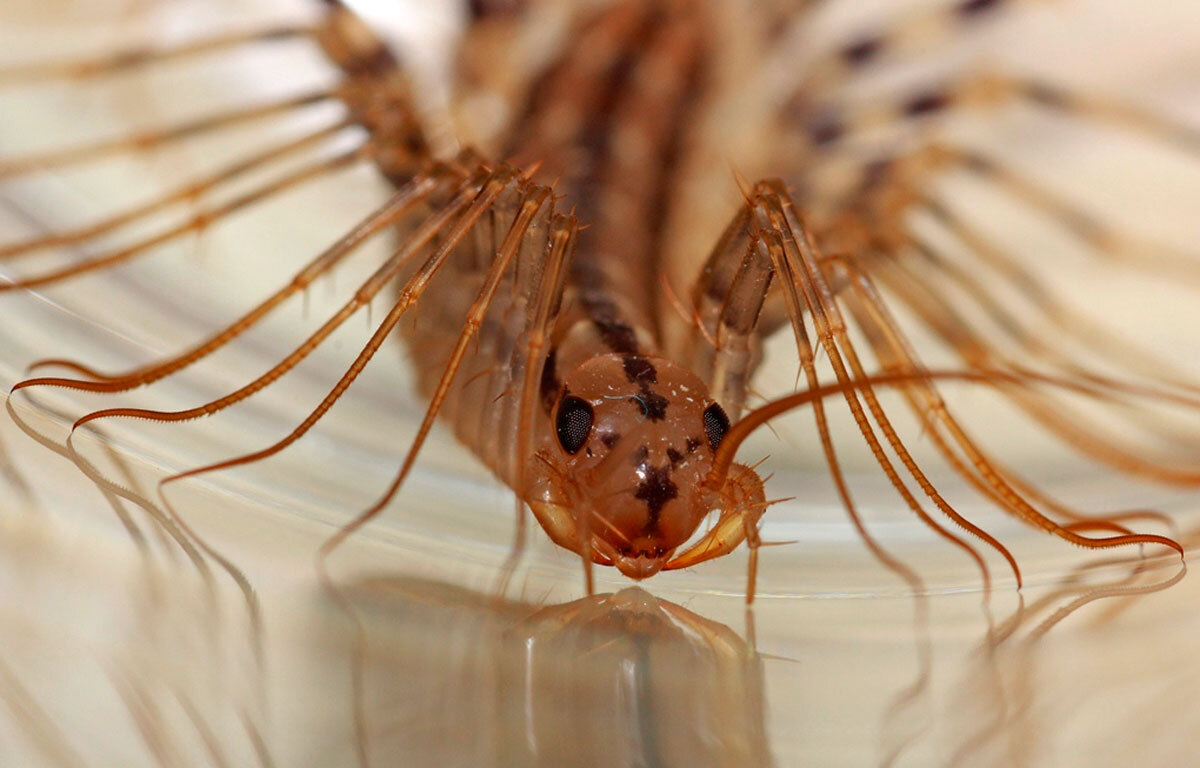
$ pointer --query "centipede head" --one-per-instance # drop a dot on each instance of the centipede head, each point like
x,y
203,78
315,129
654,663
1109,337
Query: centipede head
x,y
636,437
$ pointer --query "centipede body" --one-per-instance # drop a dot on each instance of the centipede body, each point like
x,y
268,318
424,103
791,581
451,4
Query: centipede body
x,y
574,333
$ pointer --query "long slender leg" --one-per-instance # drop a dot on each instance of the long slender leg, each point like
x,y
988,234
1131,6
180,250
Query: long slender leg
x,y
465,208
194,224
1121,247
547,304
1034,343
935,414
401,203
779,221
535,199
860,310
145,140
1053,312
189,191
728,296
1056,415
131,59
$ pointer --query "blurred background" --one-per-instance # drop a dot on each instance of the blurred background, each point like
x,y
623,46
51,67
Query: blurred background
x,y
136,634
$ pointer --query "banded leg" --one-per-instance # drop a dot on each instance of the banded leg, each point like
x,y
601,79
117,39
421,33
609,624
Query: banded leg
x,y
58,159
1056,415
728,296
190,191
935,415
400,205
194,224
806,291
373,89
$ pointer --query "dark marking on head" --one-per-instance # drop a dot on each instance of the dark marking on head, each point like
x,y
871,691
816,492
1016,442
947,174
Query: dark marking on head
x,y
656,489
655,405
617,336
640,455
609,439
693,443
861,51
926,103
639,370
674,456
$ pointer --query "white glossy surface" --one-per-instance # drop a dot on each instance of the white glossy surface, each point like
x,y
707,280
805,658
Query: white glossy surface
x,y
116,652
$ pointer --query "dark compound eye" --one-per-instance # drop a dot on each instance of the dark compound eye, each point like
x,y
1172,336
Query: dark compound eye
x,y
573,423
716,424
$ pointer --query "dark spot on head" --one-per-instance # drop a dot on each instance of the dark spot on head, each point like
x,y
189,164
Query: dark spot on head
x,y
617,336
655,405
609,439
674,456
639,369
863,50
656,489
692,444
640,455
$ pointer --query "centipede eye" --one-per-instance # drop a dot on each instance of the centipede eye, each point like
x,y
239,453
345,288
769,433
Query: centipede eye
x,y
716,424
573,423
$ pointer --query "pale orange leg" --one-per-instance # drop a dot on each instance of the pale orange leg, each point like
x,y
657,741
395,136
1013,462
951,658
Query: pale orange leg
x,y
404,201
